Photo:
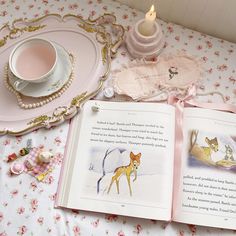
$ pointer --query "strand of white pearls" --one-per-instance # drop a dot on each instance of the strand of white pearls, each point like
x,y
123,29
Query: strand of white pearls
x,y
44,101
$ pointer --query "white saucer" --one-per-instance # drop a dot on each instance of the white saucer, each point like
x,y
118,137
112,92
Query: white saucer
x,y
54,83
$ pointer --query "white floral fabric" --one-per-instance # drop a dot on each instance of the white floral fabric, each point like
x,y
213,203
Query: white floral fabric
x,y
26,205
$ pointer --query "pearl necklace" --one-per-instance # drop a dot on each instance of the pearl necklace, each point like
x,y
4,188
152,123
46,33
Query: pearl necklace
x,y
44,101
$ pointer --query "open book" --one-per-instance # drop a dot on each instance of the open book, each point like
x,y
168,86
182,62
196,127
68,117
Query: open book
x,y
122,159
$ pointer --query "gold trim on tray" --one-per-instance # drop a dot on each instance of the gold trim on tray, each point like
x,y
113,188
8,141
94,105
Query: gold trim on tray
x,y
109,49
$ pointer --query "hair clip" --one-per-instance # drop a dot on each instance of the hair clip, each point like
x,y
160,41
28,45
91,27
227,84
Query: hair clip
x,y
24,151
44,157
28,165
12,157
42,176
16,168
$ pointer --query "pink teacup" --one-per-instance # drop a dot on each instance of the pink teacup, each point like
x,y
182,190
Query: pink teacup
x,y
32,61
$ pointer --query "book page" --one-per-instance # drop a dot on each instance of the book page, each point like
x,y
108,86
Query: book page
x,y
207,192
122,160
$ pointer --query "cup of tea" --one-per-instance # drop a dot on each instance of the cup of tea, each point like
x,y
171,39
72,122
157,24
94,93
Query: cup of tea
x,y
32,61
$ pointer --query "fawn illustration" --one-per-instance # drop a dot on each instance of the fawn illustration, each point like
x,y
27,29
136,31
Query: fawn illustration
x,y
203,151
126,170
212,146
229,153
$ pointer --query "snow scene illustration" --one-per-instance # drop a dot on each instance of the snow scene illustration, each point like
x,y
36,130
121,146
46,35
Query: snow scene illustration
x,y
120,175
212,150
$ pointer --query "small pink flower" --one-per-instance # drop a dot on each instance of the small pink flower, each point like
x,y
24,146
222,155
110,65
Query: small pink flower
x,y
49,179
95,223
58,158
232,79
20,210
227,98
111,217
61,9
3,234
93,13
22,230
170,29
217,85
2,2
125,16
33,185
1,216
41,146
57,141
192,228
31,6
53,197
34,205
17,7
46,12
40,220
121,233
3,13
222,67
76,230
57,218
105,8
209,44
6,142
205,59
164,225
14,193
210,70
181,233
138,229
199,47
190,36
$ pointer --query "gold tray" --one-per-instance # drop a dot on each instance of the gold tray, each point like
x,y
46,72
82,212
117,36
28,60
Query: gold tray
x,y
92,42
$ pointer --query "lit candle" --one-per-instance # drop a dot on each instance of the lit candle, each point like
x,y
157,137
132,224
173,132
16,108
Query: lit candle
x,y
146,28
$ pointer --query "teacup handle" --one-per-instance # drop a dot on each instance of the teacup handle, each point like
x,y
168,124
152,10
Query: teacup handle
x,y
20,84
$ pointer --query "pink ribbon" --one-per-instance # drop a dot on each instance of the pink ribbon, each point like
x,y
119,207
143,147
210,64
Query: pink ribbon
x,y
180,103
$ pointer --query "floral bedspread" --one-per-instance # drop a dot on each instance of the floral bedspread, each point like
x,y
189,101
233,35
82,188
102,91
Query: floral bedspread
x,y
26,205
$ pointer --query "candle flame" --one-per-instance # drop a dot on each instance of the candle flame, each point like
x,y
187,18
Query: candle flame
x,y
152,9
